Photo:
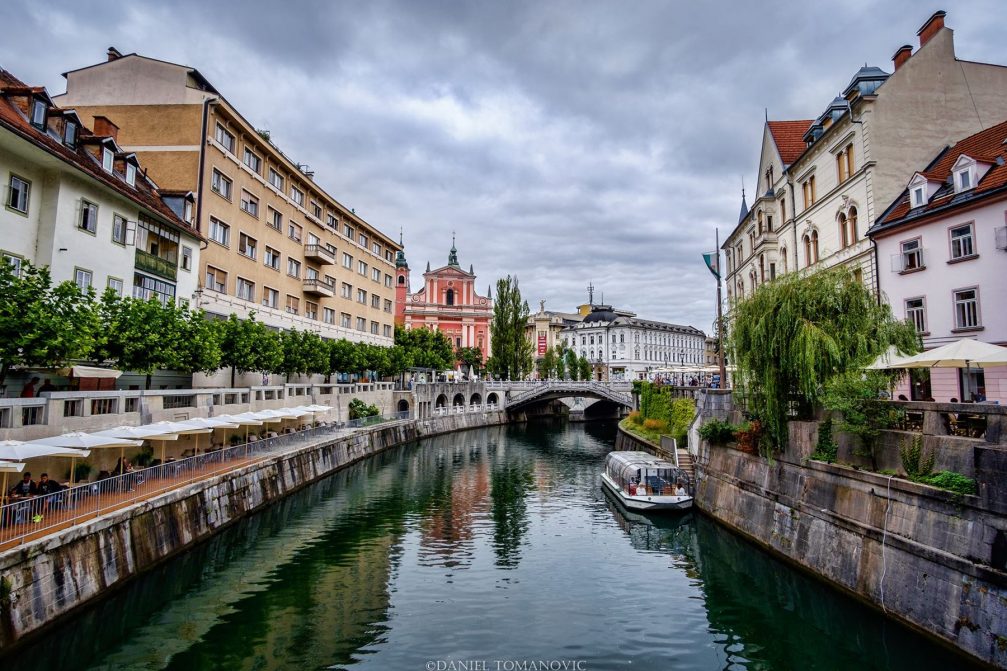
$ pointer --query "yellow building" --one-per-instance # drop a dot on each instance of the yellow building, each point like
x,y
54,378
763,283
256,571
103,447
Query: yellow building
x,y
279,245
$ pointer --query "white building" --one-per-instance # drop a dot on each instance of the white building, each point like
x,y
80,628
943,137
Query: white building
x,y
942,251
75,202
620,346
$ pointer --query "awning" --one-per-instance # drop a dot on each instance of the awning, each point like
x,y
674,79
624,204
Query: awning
x,y
91,372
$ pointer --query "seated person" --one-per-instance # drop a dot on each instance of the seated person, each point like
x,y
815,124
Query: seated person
x,y
680,490
122,466
24,488
980,395
47,486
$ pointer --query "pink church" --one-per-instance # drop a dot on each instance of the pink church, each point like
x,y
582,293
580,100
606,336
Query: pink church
x,y
447,302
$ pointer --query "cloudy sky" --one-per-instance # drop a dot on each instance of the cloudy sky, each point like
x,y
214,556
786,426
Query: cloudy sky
x,y
566,142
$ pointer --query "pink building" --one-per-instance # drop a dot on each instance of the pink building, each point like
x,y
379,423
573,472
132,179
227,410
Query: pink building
x,y
942,256
447,302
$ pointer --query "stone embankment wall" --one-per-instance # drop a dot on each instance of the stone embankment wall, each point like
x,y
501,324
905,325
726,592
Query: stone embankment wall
x,y
47,579
929,558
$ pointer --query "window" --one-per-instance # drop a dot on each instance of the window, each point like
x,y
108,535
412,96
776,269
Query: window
x,y
220,184
118,229
348,231
130,174
145,288
388,280
361,296
82,278
106,159
187,212
293,267
270,297
310,274
271,257
38,110
783,260
251,160
247,245
375,301
967,308
17,194
449,299
297,195
376,248
811,248
844,163
916,313
361,324
918,198
293,304
388,305
115,284
245,290
313,239
346,291
809,191
88,217
216,279
186,258
363,241
275,220
328,315
70,134
316,210
374,328
387,330
362,268
220,232
249,203
849,160
388,255
294,232
347,261
276,179
310,310
962,245
332,222
912,255
783,210
376,274
345,320
224,138
964,180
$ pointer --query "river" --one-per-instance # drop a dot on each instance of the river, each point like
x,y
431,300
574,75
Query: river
x,y
491,550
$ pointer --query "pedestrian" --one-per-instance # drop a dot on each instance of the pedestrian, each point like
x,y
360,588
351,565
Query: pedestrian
x,y
24,488
46,386
29,389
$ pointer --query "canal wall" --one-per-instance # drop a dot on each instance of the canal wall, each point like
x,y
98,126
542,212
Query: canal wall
x,y
926,557
46,580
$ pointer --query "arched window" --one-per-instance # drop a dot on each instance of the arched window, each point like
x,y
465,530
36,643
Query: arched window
x,y
741,290
851,222
814,245
402,279
449,297
759,225
783,259
843,240
807,250
762,268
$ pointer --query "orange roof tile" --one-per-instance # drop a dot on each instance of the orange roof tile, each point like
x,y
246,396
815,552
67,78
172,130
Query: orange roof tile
x,y
789,138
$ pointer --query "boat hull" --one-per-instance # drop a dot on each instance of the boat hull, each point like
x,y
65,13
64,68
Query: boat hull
x,y
646,503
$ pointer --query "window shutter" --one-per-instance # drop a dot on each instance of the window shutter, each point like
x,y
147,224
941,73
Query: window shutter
x,y
1001,237
897,261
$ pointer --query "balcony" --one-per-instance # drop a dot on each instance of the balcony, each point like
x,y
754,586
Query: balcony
x,y
318,287
765,238
155,265
319,254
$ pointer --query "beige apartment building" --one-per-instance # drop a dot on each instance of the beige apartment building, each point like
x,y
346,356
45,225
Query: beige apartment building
x,y
823,182
278,244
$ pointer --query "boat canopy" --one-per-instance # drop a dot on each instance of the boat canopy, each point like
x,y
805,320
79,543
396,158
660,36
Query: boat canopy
x,y
625,467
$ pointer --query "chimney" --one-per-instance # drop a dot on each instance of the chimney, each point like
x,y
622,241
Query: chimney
x,y
104,126
902,55
932,26
113,54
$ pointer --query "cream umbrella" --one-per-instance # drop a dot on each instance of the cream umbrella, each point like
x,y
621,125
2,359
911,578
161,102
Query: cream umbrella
x,y
314,408
80,440
958,354
210,423
247,419
9,467
890,358
17,450
180,428
147,432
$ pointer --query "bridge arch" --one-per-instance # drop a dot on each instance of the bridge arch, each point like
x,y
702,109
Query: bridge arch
x,y
459,400
476,400
441,402
492,398
403,405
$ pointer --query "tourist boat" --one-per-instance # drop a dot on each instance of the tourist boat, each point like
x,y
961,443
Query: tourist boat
x,y
644,482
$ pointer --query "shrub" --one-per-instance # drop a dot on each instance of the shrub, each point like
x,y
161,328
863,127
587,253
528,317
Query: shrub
x,y
827,449
717,432
635,418
360,409
81,470
914,462
658,425
951,481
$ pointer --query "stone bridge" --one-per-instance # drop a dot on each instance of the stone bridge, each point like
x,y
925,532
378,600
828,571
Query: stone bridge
x,y
518,395
441,398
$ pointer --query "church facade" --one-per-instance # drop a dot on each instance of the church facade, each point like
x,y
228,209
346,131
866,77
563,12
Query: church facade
x,y
447,302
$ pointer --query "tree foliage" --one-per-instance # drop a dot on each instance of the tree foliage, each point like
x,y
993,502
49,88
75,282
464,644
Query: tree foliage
x,y
547,365
426,348
512,353
796,333
571,365
584,371
470,357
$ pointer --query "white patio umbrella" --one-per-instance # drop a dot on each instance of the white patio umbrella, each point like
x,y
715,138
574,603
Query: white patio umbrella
x,y
80,440
890,358
210,423
17,450
313,409
179,428
247,419
145,432
997,358
959,354
9,467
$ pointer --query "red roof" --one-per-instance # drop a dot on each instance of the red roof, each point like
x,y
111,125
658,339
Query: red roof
x,y
789,138
985,146
143,194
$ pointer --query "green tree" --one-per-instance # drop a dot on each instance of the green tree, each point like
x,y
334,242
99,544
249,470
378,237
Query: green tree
x,y
426,348
470,357
572,365
560,358
547,365
584,371
512,352
200,344
396,361
794,334
344,357
41,324
240,345
142,335
859,398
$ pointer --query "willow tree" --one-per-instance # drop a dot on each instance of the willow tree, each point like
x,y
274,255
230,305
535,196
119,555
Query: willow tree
x,y
797,333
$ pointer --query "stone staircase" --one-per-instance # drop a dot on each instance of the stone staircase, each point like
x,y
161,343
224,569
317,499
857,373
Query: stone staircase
x,y
686,464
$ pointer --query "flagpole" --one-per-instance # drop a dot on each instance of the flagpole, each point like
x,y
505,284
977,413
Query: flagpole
x,y
720,322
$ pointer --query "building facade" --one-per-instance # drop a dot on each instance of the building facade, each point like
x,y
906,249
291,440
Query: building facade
x,y
279,245
942,248
77,202
620,346
545,328
823,182
448,302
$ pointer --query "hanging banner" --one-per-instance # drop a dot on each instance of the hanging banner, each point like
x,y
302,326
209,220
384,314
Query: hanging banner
x,y
541,344
713,263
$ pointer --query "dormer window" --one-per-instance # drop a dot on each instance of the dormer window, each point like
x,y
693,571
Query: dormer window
x,y
963,180
919,197
130,174
106,159
38,110
967,173
70,134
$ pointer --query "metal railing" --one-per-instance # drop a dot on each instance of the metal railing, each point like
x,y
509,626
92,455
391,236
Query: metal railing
x,y
374,419
156,265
